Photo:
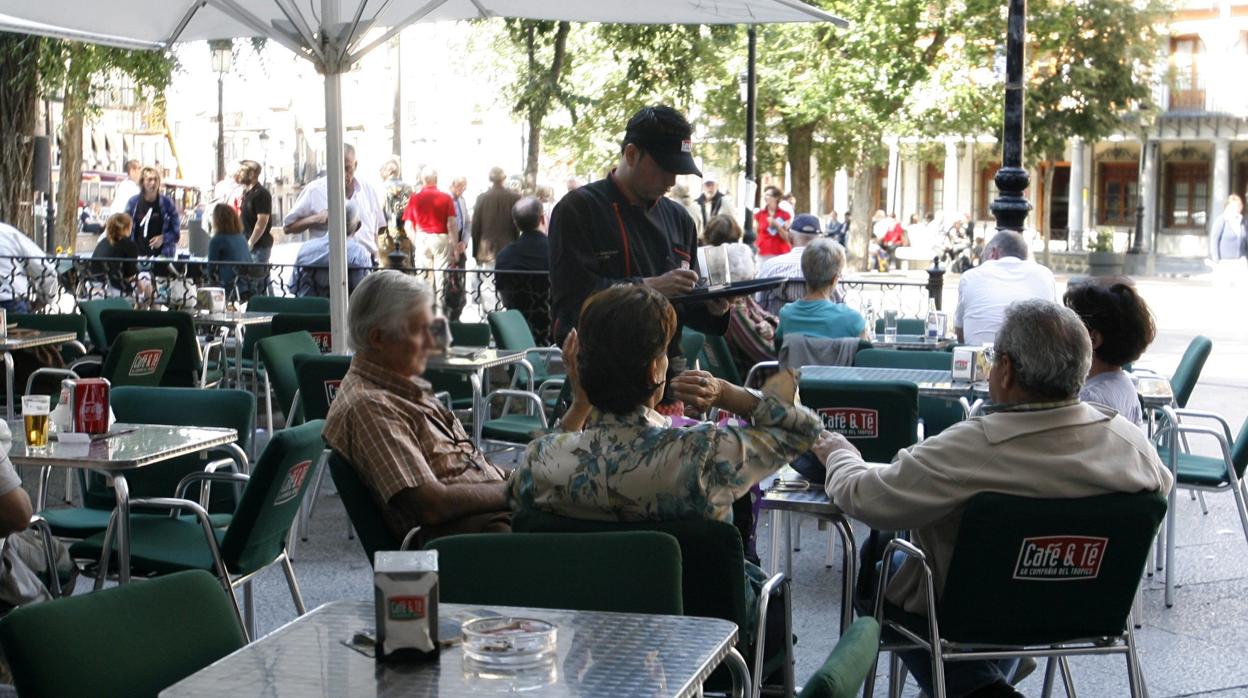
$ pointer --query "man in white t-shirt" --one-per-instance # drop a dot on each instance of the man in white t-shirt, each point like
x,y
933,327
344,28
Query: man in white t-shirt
x,y
310,212
1005,276
127,188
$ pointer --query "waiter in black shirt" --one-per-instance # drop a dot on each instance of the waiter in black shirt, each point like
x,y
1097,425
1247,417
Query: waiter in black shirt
x,y
623,230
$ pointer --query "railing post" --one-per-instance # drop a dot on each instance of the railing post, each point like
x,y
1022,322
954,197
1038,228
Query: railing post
x,y
936,282
397,259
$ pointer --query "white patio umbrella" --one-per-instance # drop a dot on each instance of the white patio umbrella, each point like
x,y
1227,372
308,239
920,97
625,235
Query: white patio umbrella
x,y
332,35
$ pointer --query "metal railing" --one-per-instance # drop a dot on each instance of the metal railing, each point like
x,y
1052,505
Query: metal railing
x,y
57,284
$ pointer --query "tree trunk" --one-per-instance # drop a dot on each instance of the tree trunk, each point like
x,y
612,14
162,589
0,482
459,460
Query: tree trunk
x,y
66,234
1046,216
866,184
19,112
539,108
801,141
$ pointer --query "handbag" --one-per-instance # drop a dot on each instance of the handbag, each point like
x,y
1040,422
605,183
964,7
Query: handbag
x,y
24,570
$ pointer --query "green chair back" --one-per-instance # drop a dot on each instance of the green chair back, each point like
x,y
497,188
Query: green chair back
x,y
937,413
370,527
1190,366
878,417
716,359
53,322
319,376
712,560
470,334
288,304
691,342
905,325
257,534
511,332
140,357
1042,571
623,572
277,355
185,363
846,669
1239,450
129,641
315,324
91,310
186,407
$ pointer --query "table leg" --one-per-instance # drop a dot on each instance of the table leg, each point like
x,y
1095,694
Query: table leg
x,y
8,384
238,355
41,497
739,671
121,490
849,571
773,561
477,410
788,544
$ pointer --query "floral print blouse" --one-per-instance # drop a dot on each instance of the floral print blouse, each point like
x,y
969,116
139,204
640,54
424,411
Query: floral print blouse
x,y
635,467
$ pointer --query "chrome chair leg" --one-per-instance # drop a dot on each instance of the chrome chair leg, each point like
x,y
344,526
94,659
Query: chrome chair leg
x,y
895,679
1200,496
1068,680
293,583
1050,667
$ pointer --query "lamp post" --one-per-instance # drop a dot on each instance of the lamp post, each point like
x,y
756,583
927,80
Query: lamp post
x,y
264,154
222,55
1011,208
749,89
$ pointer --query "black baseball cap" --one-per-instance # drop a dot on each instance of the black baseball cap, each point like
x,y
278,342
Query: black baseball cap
x,y
665,134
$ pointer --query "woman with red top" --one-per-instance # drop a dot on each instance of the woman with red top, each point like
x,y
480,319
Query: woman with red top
x,y
772,224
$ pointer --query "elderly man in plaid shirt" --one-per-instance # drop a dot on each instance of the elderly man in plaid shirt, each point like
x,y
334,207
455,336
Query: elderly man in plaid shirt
x,y
409,449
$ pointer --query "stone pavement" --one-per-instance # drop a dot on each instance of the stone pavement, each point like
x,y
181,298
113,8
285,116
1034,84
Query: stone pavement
x,y
1191,649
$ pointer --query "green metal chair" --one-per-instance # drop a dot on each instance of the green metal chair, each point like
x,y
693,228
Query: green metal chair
x,y
905,325
937,413
511,332
845,670
370,527
1030,577
126,642
254,540
1200,474
138,357
91,310
470,334
277,356
228,409
66,322
315,324
1193,362
288,304
878,417
319,376
622,572
191,366
712,574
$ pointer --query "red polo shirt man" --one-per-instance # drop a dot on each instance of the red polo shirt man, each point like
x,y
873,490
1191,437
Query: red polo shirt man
x,y
431,224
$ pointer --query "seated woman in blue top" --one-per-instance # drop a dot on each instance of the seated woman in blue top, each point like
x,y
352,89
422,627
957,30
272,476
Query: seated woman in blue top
x,y
227,245
816,315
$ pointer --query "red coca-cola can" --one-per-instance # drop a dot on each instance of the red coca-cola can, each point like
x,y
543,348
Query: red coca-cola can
x,y
89,404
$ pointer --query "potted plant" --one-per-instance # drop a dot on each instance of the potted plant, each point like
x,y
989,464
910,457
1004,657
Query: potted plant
x,y
1102,260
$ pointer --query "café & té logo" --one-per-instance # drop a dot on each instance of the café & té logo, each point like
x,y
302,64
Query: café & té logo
x,y
851,422
294,480
1060,558
145,362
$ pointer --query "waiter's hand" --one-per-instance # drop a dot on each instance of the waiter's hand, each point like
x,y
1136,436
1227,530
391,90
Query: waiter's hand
x,y
676,282
156,241
718,306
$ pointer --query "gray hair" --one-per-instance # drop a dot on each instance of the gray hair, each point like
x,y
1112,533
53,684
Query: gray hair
x,y
382,301
497,175
822,262
1007,244
429,176
1048,346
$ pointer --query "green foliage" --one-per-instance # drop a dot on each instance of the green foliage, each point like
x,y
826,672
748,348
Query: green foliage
x,y
1103,242
77,66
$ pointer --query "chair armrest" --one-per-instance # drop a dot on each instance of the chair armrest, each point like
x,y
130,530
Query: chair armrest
x,y
445,397
86,361
908,549
523,395
38,523
756,368
546,352
1182,412
174,505
82,348
219,345
410,539
774,582
1179,429
48,371
209,476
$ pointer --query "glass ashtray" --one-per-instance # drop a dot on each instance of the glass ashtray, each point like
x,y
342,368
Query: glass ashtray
x,y
510,642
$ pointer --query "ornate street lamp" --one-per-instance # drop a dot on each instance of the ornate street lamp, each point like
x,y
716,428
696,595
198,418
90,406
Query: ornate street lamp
x,y
1011,208
222,56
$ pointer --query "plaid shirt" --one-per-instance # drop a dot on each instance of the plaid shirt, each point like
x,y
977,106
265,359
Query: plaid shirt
x,y
398,436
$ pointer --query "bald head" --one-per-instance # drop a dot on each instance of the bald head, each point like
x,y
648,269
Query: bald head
x,y
1006,243
527,214
430,176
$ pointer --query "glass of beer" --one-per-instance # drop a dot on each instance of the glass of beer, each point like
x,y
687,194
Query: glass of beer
x,y
35,413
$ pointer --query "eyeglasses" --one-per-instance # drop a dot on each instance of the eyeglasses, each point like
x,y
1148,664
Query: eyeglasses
x,y
993,354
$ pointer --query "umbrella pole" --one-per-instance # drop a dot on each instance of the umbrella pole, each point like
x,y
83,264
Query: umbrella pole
x,y
337,209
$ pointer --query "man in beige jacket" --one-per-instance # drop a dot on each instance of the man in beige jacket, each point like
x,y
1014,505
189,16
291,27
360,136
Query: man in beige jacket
x,y
1038,440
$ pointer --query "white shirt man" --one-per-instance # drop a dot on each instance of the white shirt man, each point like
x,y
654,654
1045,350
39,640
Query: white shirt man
x,y
127,188
986,291
311,210
18,276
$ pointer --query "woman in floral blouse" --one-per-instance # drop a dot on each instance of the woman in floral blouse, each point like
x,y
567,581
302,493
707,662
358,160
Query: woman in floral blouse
x,y
619,460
